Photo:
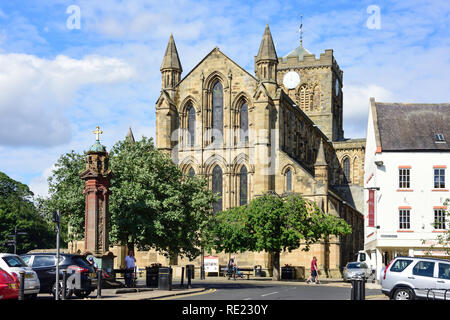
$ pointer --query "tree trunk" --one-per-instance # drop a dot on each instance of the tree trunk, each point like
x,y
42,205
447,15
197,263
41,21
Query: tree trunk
x,y
130,246
276,265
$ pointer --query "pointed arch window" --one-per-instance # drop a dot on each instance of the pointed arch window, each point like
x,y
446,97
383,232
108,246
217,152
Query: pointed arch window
x,y
346,166
191,126
243,123
191,172
217,111
243,186
217,187
288,180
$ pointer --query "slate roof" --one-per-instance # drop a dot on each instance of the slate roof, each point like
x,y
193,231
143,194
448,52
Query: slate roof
x,y
298,52
410,127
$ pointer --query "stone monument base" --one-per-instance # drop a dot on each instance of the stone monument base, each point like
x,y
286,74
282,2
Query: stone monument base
x,y
105,262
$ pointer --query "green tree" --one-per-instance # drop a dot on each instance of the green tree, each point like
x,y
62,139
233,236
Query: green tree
x,y
152,203
17,209
273,224
227,231
442,240
66,195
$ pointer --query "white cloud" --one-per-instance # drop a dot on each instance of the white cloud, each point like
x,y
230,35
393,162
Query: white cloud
x,y
356,106
36,92
39,185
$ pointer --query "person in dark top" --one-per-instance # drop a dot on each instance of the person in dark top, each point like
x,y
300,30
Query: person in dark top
x,y
232,266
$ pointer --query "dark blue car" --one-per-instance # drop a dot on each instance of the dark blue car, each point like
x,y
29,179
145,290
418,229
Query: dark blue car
x,y
44,264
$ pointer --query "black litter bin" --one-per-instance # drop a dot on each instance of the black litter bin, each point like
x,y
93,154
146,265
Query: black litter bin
x,y
258,271
151,277
287,273
190,268
165,278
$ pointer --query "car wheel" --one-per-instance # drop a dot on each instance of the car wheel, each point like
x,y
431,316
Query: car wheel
x,y
69,292
82,293
403,294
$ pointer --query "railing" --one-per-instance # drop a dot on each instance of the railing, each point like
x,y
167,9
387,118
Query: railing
x,y
428,290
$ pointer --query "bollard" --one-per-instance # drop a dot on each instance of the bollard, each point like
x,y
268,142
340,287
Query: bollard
x,y
363,288
352,292
22,285
182,277
99,284
189,276
202,273
358,289
64,288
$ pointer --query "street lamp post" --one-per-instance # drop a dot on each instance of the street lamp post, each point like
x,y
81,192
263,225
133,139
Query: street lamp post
x,y
202,269
56,219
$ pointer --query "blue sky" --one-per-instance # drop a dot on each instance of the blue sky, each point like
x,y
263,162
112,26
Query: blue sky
x,y
58,82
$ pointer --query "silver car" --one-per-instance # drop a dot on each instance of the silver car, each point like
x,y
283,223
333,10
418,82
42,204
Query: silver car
x,y
13,264
409,278
356,269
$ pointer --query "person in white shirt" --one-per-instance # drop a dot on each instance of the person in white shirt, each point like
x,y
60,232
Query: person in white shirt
x,y
130,263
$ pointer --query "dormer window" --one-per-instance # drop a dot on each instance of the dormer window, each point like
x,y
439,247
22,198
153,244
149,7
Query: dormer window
x,y
439,137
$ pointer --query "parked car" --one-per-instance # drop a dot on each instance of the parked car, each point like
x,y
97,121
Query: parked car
x,y
9,286
409,278
45,266
13,264
356,269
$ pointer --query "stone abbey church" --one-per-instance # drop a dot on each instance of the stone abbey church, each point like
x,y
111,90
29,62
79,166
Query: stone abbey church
x,y
277,130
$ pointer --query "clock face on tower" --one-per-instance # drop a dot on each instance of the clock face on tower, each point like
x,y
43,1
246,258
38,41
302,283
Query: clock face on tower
x,y
291,80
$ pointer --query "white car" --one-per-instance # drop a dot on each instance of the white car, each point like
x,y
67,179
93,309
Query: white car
x,y
409,278
356,269
13,264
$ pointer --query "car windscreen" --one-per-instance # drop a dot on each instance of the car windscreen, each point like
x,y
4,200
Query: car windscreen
x,y
14,262
354,265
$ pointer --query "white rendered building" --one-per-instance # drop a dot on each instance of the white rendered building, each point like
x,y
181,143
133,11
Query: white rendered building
x,y
406,180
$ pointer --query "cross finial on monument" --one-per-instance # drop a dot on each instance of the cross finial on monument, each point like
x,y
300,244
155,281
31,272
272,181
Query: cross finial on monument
x,y
97,133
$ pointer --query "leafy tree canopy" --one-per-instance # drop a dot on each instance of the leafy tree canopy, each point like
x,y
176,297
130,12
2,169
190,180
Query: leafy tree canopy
x,y
273,224
18,210
152,203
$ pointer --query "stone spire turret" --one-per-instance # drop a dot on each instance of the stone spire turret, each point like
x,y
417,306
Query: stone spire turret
x,y
171,66
320,160
130,136
266,61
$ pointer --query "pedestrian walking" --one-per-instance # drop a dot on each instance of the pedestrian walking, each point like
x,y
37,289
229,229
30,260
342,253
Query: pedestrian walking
x,y
314,272
232,267
130,263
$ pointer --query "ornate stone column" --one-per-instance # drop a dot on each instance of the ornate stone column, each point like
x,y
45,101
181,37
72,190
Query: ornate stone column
x,y
97,177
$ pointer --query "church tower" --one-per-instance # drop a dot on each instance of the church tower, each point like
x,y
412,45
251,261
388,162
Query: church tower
x,y
166,110
315,85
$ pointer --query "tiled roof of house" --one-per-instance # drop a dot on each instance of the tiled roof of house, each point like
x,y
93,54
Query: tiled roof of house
x,y
411,126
